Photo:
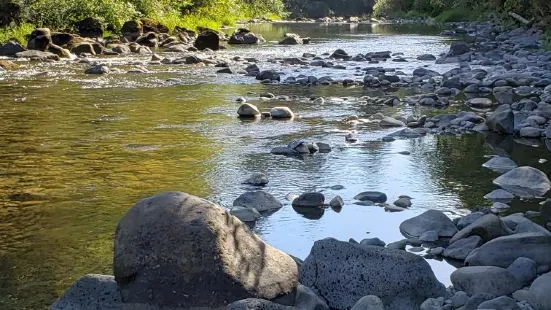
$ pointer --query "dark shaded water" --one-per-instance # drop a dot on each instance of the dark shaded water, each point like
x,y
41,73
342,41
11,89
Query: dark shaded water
x,y
78,151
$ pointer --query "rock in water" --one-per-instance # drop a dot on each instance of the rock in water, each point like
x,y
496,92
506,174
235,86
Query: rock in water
x,y
525,182
309,200
259,200
499,195
92,291
369,302
341,271
503,251
177,250
429,220
336,202
258,179
207,39
484,279
371,196
248,110
500,164
403,202
281,112
540,292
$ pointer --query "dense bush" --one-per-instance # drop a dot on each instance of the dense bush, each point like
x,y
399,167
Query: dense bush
x,y
459,10
64,13
323,8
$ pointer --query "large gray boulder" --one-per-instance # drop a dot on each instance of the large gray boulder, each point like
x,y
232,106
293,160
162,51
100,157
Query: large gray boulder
x,y
487,227
178,250
500,164
500,303
91,292
525,182
501,120
427,221
342,271
503,251
462,248
259,200
484,279
540,292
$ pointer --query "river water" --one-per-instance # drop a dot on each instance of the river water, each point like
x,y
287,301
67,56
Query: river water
x,y
78,151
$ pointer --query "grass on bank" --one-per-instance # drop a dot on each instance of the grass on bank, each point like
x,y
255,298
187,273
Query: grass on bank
x,y
18,33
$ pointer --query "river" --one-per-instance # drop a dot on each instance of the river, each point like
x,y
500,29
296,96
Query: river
x,y
78,151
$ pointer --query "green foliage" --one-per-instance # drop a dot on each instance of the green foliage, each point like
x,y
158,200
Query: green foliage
x,y
17,33
323,8
193,13
457,15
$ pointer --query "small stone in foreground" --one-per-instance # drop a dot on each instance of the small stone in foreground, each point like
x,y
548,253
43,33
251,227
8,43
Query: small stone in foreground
x,y
92,291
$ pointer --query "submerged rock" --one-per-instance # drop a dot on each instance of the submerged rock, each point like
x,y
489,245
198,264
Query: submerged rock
x,y
258,179
223,262
499,195
525,182
341,271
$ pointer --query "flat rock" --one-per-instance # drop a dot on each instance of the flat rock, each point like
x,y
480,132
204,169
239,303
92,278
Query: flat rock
x,y
525,182
484,279
391,122
430,220
503,251
341,271
259,200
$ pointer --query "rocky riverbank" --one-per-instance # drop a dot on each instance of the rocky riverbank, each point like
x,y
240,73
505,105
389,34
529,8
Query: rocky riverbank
x,y
177,251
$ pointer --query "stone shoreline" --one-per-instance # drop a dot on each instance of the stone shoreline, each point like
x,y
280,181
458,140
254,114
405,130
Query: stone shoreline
x,y
177,251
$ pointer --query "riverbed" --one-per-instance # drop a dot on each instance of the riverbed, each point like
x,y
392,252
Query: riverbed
x,y
78,151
